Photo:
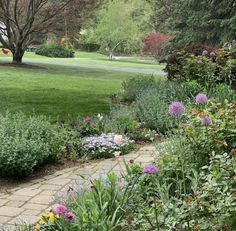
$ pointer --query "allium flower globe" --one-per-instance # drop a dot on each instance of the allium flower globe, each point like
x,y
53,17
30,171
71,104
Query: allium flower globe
x,y
150,169
70,217
213,54
205,52
206,120
176,109
60,209
201,98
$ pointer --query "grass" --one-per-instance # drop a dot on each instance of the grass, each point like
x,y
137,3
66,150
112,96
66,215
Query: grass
x,y
62,93
97,59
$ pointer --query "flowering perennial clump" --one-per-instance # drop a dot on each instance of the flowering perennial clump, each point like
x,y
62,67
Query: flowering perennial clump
x,y
176,109
201,98
61,211
106,144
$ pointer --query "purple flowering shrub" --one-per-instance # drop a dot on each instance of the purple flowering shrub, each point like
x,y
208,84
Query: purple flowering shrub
x,y
105,145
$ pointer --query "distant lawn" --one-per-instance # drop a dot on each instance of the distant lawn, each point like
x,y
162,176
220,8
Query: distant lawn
x,y
57,91
97,59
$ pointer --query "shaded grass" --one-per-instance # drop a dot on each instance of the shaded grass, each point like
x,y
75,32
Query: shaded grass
x,y
62,93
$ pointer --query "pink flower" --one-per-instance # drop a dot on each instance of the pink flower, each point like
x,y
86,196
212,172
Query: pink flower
x,y
119,140
117,155
70,217
87,119
60,209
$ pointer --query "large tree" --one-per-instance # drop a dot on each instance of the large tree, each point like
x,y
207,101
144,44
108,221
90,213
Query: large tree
x,y
120,25
21,21
211,22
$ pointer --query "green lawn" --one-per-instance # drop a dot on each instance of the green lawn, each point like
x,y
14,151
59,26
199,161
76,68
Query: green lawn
x,y
97,59
59,92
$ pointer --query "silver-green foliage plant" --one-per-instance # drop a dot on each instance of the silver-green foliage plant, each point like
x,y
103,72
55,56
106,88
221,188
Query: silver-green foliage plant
x,y
26,142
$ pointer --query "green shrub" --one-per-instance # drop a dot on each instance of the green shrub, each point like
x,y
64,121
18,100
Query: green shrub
x,y
219,136
204,64
121,120
177,60
152,110
202,70
54,51
27,142
152,105
133,86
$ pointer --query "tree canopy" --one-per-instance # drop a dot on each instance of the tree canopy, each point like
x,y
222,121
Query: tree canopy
x,y
22,21
211,22
120,26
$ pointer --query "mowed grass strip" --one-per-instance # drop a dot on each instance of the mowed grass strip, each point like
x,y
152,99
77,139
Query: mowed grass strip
x,y
62,93
95,59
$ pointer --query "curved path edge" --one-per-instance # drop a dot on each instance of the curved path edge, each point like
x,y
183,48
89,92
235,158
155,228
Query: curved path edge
x,y
26,202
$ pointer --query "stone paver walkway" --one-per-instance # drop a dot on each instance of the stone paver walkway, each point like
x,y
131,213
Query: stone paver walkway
x,y
25,203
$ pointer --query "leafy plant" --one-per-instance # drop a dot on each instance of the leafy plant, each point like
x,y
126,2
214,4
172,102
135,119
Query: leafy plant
x,y
54,51
133,86
154,44
121,120
27,142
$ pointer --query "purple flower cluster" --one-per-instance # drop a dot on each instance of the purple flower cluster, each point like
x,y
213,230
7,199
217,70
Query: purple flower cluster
x,y
105,143
150,169
62,210
176,109
201,98
206,120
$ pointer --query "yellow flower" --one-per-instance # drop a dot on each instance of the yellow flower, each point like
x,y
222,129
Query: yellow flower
x,y
37,226
41,221
51,217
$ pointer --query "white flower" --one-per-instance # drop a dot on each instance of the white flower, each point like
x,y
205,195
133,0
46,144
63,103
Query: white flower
x,y
100,117
117,155
118,139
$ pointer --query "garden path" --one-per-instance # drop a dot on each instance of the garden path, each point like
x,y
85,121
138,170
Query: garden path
x,y
25,203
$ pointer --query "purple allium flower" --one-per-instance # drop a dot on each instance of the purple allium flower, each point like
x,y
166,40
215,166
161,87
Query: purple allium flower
x,y
213,54
150,169
176,109
206,120
60,209
200,62
205,52
201,98
70,217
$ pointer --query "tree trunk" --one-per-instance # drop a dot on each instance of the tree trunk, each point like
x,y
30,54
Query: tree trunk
x,y
18,55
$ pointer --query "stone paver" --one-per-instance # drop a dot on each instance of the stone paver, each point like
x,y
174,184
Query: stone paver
x,y
26,202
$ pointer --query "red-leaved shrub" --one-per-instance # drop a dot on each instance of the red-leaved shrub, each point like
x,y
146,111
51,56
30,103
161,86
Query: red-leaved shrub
x,y
155,43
